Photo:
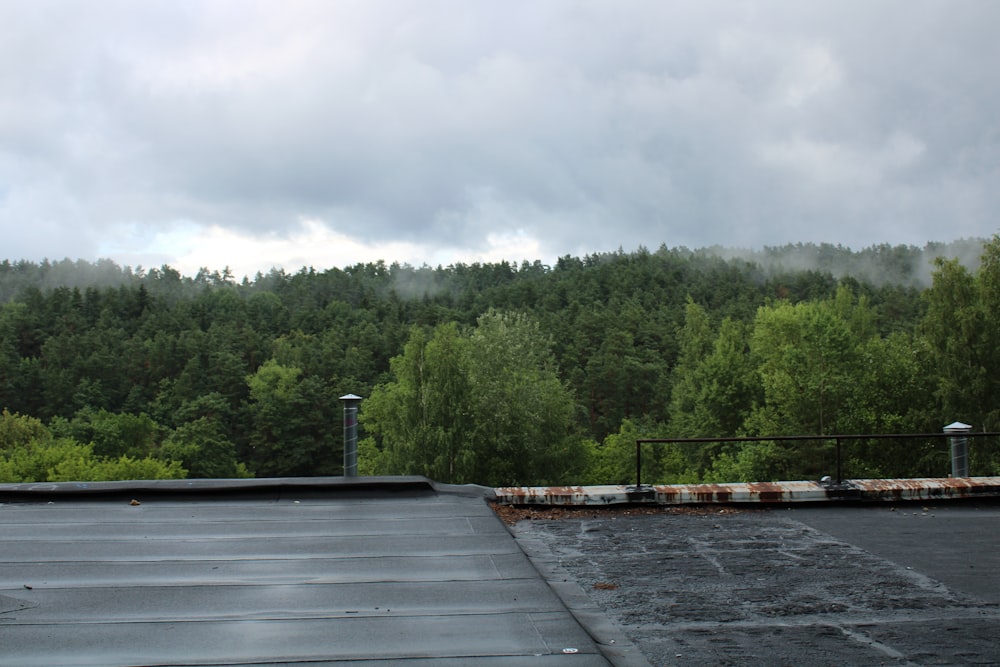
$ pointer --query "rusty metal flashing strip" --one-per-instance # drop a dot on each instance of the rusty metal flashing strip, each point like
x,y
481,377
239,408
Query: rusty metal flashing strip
x,y
754,492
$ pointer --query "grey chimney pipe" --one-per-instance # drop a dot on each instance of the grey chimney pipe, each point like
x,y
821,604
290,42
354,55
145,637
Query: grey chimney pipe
x,y
351,402
959,448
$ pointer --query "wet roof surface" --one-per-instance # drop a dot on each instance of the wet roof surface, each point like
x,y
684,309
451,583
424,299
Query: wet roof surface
x,y
407,572
274,576
902,584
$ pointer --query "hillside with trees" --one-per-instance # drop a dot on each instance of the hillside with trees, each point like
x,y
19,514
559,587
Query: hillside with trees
x,y
497,373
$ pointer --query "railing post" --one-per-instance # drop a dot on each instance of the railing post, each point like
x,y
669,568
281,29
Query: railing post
x,y
840,469
638,465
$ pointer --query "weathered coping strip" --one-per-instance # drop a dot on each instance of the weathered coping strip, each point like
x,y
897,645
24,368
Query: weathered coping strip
x,y
254,487
755,492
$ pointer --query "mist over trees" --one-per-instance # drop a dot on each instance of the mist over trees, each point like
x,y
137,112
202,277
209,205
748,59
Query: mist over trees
x,y
499,373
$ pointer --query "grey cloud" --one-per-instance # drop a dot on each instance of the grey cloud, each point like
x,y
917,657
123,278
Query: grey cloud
x,y
587,125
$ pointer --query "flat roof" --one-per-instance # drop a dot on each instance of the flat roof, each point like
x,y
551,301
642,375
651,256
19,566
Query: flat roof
x,y
405,571
821,584
323,572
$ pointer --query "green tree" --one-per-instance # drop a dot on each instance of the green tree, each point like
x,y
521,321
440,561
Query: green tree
x,y
807,358
753,462
10,358
716,390
522,433
85,467
18,431
292,414
716,383
202,447
612,461
75,336
423,418
487,407
113,434
30,453
962,326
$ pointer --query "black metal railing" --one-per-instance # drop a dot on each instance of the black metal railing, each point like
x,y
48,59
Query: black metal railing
x,y
838,439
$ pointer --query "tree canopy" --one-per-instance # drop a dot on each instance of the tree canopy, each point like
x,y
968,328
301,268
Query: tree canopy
x,y
499,373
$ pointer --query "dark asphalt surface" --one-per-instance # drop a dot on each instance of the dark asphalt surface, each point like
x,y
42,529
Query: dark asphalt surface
x,y
806,585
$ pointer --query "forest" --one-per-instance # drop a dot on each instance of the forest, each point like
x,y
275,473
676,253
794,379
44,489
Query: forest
x,y
503,374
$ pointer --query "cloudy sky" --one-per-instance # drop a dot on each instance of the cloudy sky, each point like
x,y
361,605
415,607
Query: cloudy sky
x,y
323,133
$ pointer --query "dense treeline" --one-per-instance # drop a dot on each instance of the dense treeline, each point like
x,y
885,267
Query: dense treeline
x,y
497,373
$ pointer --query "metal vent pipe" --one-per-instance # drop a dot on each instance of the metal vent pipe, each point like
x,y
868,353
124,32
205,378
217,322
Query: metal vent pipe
x,y
959,448
351,402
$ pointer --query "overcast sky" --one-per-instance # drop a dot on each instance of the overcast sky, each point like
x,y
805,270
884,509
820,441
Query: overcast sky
x,y
296,133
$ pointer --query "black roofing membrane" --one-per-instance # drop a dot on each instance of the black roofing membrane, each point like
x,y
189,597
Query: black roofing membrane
x,y
415,577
